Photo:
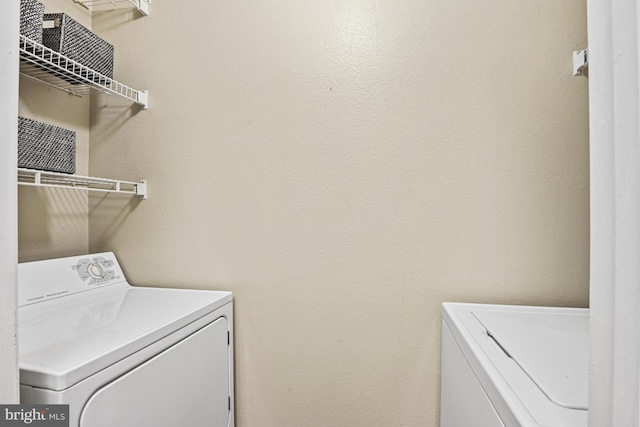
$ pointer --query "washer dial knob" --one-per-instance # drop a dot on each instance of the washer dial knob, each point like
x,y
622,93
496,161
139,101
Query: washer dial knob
x,y
95,270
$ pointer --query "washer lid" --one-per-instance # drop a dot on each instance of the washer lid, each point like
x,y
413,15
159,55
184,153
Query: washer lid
x,y
65,340
551,348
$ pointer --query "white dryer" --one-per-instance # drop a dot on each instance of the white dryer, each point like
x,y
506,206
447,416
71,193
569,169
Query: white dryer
x,y
514,366
121,355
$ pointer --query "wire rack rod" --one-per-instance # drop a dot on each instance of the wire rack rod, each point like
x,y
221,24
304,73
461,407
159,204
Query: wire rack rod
x,y
32,177
52,68
141,5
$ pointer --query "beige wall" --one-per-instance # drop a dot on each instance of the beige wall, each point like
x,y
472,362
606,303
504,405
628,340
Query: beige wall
x,y
54,223
344,168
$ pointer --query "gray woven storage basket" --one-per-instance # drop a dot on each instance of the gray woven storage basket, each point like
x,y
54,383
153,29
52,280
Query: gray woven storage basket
x,y
31,15
78,43
46,147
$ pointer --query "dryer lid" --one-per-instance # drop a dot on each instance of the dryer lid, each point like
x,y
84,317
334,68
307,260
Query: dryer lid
x,y
551,348
65,340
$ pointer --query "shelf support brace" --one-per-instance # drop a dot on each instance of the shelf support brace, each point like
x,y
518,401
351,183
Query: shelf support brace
x,y
580,62
143,7
141,189
143,99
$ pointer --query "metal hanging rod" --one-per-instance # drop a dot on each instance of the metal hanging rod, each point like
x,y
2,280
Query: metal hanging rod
x,y
37,178
141,5
52,68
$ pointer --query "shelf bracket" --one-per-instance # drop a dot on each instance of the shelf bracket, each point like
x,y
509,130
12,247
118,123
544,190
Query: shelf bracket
x,y
143,99
143,7
580,62
141,189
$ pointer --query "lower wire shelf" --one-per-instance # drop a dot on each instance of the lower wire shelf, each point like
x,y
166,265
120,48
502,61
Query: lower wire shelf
x,y
38,178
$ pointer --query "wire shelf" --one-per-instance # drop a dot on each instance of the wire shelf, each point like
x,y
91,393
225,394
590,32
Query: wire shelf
x,y
52,68
141,5
37,178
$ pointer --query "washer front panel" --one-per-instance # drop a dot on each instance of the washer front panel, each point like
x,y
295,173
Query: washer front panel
x,y
463,400
78,395
187,384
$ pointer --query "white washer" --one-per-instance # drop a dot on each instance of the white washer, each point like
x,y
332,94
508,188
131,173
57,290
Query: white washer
x,y
514,366
121,355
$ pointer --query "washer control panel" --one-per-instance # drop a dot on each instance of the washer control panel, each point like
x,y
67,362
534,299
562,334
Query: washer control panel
x,y
95,270
43,280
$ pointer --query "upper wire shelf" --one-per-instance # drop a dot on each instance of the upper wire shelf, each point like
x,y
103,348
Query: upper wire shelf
x,y
141,5
52,68
38,178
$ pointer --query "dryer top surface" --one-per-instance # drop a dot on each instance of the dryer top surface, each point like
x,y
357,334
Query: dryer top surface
x,y
63,340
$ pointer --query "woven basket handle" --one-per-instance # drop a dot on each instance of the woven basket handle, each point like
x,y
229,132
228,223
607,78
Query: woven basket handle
x,y
57,21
